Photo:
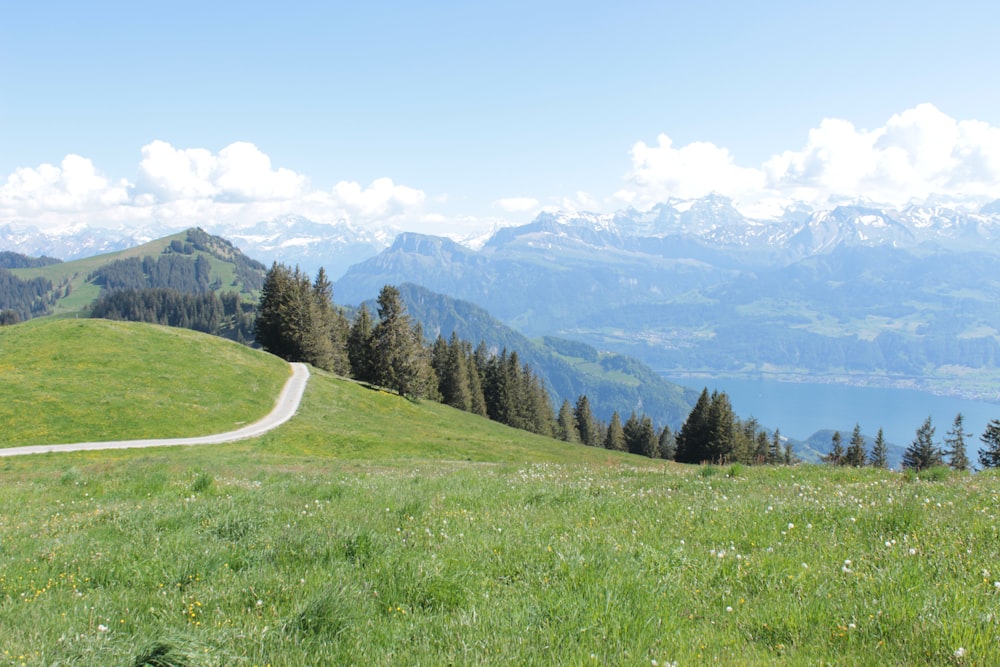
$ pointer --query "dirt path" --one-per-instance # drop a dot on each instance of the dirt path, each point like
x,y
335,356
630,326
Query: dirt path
x,y
285,407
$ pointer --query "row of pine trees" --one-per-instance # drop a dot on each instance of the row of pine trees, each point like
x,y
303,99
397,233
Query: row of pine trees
x,y
923,452
297,320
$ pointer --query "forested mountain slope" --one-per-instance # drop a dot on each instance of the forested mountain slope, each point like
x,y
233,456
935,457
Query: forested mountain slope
x,y
612,382
190,262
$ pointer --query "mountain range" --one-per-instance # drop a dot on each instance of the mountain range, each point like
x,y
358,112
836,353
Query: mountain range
x,y
856,294
859,293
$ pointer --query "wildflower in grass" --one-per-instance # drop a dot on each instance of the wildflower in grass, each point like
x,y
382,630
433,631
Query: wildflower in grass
x,y
960,653
102,628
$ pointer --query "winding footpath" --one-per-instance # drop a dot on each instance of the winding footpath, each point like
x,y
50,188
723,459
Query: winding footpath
x,y
285,407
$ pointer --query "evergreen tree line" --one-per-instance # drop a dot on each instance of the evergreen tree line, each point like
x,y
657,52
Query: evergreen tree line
x,y
923,452
713,433
15,260
576,423
297,321
168,271
248,272
23,299
223,315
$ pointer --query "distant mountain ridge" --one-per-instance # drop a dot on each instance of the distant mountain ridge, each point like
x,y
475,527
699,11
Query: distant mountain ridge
x,y
711,222
612,382
856,294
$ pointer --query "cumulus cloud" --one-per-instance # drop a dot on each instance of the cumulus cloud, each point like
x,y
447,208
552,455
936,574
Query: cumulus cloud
x,y
177,187
517,204
73,186
917,153
239,173
380,199
663,171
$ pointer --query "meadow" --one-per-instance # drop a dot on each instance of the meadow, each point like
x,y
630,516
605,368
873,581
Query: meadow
x,y
372,530
75,380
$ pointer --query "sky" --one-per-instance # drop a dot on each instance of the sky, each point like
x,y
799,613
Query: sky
x,y
452,117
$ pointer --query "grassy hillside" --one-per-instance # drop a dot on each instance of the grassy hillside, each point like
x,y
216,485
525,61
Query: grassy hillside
x,y
373,530
77,380
76,275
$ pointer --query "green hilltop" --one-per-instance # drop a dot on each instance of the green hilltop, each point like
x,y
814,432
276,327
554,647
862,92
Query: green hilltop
x,y
79,380
75,284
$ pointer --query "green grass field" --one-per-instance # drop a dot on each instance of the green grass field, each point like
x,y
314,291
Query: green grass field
x,y
373,530
76,380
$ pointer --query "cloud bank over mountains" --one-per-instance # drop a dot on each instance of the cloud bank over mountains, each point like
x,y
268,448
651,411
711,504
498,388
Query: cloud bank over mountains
x,y
917,153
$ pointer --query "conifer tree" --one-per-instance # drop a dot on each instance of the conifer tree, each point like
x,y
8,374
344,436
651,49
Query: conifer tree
x,y
586,425
449,361
989,455
518,404
321,344
789,457
836,455
633,434
668,444
880,452
359,346
566,424
615,438
954,441
856,455
775,453
395,353
649,444
721,428
272,328
692,440
477,400
439,357
497,388
745,442
425,379
922,452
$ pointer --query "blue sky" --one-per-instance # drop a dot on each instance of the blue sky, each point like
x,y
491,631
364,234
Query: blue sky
x,y
452,116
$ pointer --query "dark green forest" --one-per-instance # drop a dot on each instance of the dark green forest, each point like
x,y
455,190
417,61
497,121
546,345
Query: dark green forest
x,y
223,315
23,299
13,260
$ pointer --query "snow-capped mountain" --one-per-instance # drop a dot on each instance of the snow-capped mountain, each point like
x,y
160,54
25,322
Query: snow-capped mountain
x,y
715,223
71,244
711,224
295,240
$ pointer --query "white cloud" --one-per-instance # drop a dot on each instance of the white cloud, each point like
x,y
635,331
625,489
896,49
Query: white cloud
x,y
239,173
179,187
517,204
74,186
380,199
917,153
662,171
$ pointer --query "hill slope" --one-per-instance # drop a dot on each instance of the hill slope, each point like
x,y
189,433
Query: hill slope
x,y
78,380
76,284
612,382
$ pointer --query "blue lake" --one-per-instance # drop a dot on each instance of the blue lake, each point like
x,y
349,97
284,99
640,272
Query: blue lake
x,y
801,409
